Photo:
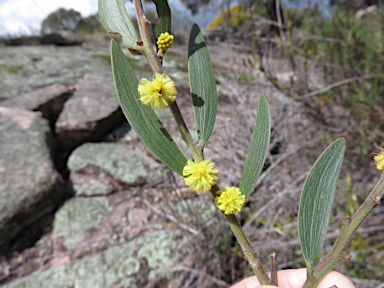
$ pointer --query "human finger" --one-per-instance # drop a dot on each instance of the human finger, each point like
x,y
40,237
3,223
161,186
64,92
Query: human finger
x,y
295,278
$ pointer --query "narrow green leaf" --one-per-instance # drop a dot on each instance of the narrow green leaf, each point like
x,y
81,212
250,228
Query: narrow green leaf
x,y
115,19
258,148
141,117
203,85
317,198
164,23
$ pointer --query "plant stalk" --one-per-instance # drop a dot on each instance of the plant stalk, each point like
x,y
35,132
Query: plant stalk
x,y
187,137
146,48
349,226
272,260
246,246
156,67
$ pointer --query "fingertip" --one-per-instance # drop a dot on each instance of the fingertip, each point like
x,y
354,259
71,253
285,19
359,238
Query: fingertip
x,y
295,278
250,282
336,278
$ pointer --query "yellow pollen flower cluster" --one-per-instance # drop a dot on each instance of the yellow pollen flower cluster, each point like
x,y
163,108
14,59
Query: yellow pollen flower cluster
x,y
230,200
157,93
379,160
200,176
165,41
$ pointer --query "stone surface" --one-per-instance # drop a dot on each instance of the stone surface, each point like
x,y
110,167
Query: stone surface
x,y
31,67
78,217
138,216
49,100
91,113
131,265
102,168
30,187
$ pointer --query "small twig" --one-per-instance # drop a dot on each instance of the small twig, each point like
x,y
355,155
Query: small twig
x,y
270,168
366,283
261,20
315,37
171,218
190,270
202,273
23,279
345,81
273,200
272,259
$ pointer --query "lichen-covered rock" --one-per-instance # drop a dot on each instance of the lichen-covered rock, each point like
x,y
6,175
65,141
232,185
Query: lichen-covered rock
x,y
30,187
49,100
92,112
78,216
132,265
157,258
102,168
26,68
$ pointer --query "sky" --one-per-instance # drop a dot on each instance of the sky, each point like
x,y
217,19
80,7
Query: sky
x,y
24,17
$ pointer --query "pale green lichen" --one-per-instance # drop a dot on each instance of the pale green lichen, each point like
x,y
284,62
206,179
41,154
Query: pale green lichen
x,y
61,276
115,267
157,250
89,272
78,217
124,164
204,210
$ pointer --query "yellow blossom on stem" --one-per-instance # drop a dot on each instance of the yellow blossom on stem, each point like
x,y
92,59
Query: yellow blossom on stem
x,y
157,93
200,176
165,41
230,200
379,160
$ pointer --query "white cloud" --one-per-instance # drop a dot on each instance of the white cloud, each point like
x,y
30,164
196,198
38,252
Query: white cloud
x,y
25,16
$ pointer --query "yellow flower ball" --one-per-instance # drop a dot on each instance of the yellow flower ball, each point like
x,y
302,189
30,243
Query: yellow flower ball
x,y
230,200
157,93
379,160
200,176
165,41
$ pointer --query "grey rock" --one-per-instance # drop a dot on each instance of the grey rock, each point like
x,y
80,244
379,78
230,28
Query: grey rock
x,y
91,113
102,168
26,68
119,266
78,217
49,100
30,187
138,216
